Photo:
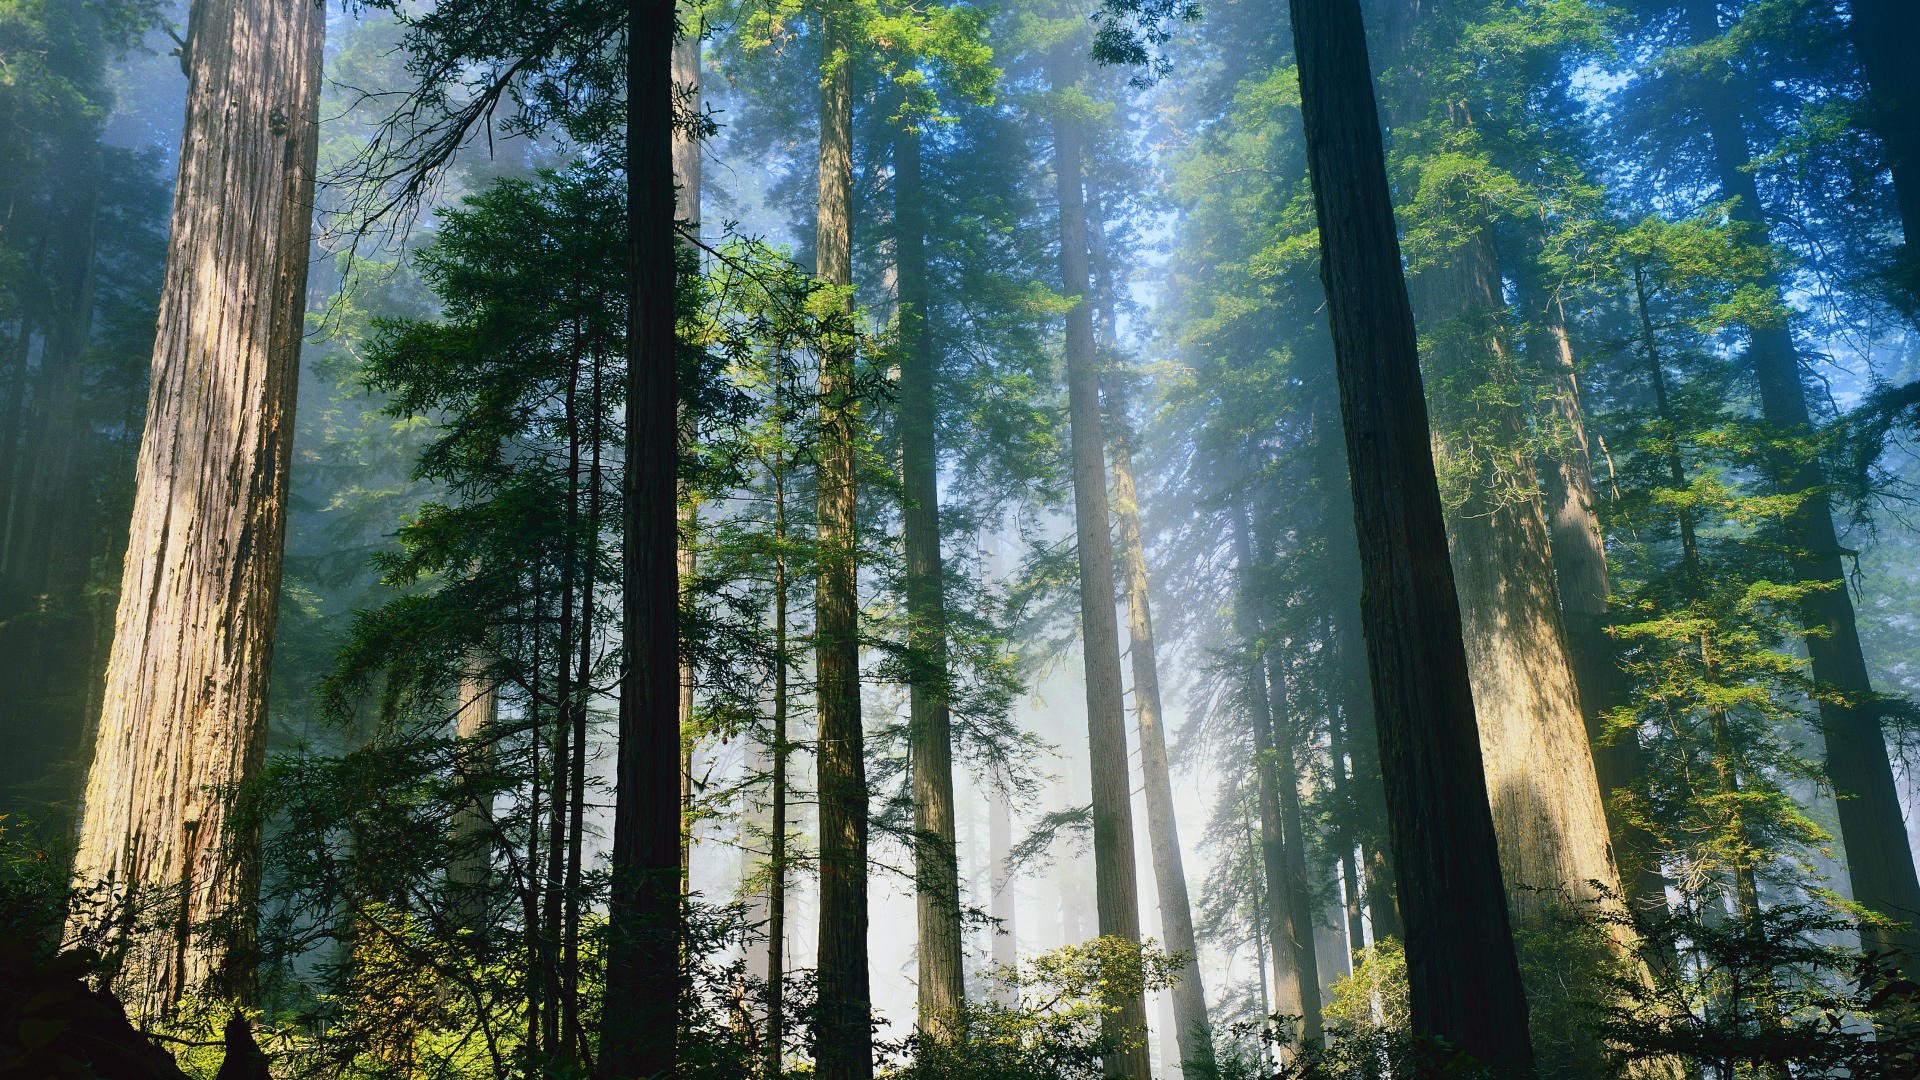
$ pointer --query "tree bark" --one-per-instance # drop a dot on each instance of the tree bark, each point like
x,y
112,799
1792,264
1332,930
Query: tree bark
x,y
1872,828
1464,980
936,871
185,714
640,1019
844,1026
1580,570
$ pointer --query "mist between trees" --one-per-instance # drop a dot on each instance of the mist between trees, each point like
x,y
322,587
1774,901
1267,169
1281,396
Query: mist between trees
x,y
1338,539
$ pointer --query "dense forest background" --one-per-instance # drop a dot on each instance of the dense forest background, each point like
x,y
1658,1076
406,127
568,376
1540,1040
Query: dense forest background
x,y
962,597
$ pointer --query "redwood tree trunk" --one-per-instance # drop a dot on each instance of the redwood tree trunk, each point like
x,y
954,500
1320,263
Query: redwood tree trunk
x,y
1872,828
640,1018
185,714
472,839
1117,898
936,871
1463,978
843,1030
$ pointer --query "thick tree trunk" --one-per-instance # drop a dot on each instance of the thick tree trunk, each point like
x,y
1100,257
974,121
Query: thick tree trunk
x,y
1117,898
1580,569
1547,808
1192,1029
844,1033
1872,828
1886,34
1463,978
185,715
936,870
640,1019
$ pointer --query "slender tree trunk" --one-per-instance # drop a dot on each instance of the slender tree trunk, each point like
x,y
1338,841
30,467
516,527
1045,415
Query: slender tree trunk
x,y
1289,913
583,688
777,828
1194,1032
185,718
1886,35
1005,949
1463,978
640,1019
936,870
843,1028
1580,570
686,209
472,841
1872,828
1117,898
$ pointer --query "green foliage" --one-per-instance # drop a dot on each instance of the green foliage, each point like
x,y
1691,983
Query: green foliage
x,y
1047,1017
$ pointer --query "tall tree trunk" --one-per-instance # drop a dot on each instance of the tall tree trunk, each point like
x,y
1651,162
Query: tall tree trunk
x,y
1193,1030
1289,915
936,870
1117,898
1580,570
1300,905
1463,978
468,875
1872,828
185,715
1886,34
639,1028
1005,949
843,1031
686,209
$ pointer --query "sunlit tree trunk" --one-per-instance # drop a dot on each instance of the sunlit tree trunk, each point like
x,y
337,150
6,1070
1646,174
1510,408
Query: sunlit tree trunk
x,y
936,871
1117,898
1463,978
1872,827
1584,586
640,1016
185,713
844,1034
1546,800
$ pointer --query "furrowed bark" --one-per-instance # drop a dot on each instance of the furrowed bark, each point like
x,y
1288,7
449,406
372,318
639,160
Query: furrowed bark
x,y
185,716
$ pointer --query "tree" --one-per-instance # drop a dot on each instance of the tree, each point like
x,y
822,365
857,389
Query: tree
x,y
936,873
1117,893
1465,981
1885,34
641,1016
184,720
843,1033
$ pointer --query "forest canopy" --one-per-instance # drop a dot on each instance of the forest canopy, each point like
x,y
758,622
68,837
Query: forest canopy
x,y
959,540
